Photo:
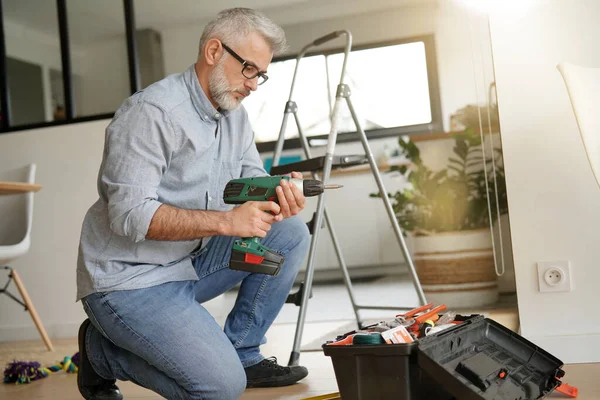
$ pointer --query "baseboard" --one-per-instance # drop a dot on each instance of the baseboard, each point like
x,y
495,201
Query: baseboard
x,y
572,349
30,332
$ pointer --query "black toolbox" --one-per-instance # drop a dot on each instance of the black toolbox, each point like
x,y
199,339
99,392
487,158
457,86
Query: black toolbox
x,y
478,359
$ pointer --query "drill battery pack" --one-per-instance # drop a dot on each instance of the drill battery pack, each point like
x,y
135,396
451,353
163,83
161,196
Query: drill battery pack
x,y
478,359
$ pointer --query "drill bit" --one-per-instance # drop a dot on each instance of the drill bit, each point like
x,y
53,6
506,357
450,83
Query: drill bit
x,y
332,187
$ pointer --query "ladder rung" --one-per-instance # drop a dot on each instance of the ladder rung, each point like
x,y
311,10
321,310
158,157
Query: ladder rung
x,y
317,164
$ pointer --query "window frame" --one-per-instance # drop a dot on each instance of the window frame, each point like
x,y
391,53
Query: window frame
x,y
65,51
435,126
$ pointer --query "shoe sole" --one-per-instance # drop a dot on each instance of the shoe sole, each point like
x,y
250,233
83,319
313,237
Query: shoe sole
x,y
277,381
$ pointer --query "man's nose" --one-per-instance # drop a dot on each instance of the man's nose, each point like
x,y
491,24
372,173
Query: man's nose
x,y
252,84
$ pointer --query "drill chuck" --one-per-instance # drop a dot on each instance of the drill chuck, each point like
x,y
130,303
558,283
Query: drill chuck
x,y
312,187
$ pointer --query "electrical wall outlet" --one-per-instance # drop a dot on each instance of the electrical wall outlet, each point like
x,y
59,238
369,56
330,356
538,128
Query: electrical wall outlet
x,y
554,276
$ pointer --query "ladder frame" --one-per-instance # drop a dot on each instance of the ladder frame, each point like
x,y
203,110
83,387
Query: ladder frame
x,y
342,94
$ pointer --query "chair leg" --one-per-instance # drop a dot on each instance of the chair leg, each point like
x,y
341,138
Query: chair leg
x,y
31,308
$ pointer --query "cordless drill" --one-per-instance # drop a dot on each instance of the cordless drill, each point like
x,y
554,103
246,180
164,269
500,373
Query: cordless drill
x,y
248,254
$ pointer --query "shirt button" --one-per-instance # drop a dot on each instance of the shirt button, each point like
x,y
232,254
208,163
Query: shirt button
x,y
217,116
205,117
210,199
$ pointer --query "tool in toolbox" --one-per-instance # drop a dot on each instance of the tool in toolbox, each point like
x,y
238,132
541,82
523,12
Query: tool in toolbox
x,y
404,328
325,164
475,359
421,314
249,254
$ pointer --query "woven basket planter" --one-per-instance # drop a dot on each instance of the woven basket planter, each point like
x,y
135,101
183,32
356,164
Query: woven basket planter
x,y
456,268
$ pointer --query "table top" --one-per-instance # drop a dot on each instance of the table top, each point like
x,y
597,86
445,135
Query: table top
x,y
18,187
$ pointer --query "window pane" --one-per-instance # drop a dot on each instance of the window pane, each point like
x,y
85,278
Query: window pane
x,y
265,106
33,54
389,86
98,56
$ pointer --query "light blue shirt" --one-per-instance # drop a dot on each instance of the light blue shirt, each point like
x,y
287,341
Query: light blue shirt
x,y
166,144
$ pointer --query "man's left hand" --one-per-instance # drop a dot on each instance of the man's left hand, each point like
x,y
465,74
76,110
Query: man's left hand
x,y
291,199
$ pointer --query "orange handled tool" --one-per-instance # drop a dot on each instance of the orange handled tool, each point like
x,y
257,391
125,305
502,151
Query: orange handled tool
x,y
343,342
430,315
415,311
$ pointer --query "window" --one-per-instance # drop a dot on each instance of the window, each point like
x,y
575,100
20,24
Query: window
x,y
394,90
99,69
32,57
64,61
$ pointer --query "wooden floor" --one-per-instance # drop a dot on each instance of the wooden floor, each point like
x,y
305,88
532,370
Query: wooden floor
x,y
321,378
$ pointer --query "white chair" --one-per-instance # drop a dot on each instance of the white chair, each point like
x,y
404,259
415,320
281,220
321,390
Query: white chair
x,y
16,216
583,87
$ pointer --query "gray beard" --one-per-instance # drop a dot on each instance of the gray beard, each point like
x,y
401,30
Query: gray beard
x,y
220,90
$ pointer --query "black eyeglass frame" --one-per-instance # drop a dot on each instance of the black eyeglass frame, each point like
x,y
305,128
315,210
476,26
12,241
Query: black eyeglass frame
x,y
245,65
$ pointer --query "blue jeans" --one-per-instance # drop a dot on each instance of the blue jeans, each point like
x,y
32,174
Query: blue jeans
x,y
163,339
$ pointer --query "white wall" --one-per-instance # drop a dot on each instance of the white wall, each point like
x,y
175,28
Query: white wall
x,y
67,159
553,198
31,45
105,77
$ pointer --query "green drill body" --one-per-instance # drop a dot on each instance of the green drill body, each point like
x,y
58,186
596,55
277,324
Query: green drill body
x,y
248,254
263,188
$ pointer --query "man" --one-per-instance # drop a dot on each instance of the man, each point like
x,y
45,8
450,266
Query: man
x,y
157,242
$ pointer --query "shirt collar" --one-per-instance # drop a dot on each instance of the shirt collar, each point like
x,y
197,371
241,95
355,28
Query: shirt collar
x,y
199,99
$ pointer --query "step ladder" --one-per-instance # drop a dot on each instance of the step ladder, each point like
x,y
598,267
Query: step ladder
x,y
325,164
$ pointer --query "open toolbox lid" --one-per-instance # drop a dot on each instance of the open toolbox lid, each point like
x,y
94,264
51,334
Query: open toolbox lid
x,y
481,359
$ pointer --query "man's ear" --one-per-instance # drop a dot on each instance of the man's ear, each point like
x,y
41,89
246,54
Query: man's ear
x,y
213,51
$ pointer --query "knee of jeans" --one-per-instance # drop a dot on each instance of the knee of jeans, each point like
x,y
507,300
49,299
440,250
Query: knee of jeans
x,y
235,386
227,383
301,232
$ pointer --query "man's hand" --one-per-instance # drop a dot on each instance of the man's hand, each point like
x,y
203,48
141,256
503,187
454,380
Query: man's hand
x,y
291,199
250,219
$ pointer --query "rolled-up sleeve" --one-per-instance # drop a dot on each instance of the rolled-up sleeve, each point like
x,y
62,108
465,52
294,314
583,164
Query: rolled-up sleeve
x,y
139,146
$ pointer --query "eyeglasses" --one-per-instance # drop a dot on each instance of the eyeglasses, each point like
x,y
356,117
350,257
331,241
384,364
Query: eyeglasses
x,y
249,70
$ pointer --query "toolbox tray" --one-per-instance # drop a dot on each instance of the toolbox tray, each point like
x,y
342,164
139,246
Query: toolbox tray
x,y
463,362
481,359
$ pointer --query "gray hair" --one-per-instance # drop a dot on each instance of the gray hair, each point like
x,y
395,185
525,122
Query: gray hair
x,y
233,25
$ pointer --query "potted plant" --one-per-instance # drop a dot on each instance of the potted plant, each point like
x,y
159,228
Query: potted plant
x,y
446,216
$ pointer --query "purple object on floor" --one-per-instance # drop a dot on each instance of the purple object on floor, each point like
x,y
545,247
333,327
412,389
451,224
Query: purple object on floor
x,y
22,372
75,359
